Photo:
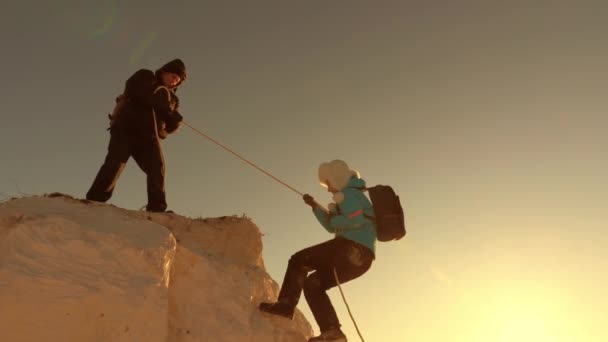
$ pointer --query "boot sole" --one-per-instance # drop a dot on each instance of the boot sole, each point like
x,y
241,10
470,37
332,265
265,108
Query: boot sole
x,y
341,339
276,314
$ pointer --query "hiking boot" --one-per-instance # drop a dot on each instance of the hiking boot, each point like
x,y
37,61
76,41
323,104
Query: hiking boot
x,y
278,308
160,211
333,335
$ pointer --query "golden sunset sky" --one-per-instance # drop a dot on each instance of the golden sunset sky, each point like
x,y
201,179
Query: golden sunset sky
x,y
487,117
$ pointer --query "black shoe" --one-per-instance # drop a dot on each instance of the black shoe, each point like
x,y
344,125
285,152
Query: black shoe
x,y
280,309
160,211
333,335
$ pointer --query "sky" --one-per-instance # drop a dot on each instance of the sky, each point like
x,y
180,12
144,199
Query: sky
x,y
488,118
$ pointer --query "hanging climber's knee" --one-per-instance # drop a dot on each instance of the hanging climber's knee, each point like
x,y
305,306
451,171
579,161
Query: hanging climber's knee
x,y
312,283
299,261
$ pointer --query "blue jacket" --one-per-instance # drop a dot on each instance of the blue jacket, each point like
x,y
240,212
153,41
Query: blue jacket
x,y
348,220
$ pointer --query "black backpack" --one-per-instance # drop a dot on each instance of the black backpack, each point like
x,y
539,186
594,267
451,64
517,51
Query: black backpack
x,y
390,220
121,100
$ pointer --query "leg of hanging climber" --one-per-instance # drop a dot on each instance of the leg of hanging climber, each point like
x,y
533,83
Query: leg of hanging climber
x,y
350,263
304,261
149,157
118,154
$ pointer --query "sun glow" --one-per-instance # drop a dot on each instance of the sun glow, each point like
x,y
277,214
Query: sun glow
x,y
524,318
524,323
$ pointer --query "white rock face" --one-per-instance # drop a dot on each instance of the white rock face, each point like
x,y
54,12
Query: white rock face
x,y
76,271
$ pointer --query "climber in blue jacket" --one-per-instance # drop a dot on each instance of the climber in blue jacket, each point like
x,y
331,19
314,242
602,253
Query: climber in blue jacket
x,y
350,253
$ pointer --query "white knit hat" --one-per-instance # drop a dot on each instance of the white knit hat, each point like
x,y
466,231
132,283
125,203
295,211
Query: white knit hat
x,y
337,173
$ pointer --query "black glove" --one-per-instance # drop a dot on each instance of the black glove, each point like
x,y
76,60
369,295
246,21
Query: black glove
x,y
176,116
310,201
174,122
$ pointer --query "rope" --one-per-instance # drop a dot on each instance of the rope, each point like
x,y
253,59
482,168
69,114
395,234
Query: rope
x,y
294,190
347,307
243,159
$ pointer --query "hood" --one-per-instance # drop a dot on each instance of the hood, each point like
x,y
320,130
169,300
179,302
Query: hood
x,y
356,183
175,66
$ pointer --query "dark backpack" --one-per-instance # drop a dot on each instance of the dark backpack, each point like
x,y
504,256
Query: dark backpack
x,y
390,220
121,100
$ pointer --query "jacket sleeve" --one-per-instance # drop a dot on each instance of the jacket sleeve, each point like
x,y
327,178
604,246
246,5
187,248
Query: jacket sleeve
x,y
139,87
167,119
175,119
162,104
324,218
350,216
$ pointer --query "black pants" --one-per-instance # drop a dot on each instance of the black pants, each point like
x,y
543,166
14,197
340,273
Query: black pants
x,y
350,261
147,154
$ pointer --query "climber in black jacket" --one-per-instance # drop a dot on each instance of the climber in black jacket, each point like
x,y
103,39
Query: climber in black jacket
x,y
145,113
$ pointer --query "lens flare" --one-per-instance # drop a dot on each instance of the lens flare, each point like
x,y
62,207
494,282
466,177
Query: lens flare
x,y
140,49
108,22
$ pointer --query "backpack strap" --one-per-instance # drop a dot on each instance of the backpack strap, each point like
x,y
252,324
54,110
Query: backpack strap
x,y
121,100
371,218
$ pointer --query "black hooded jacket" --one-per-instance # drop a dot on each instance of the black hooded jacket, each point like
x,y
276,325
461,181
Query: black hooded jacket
x,y
147,101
